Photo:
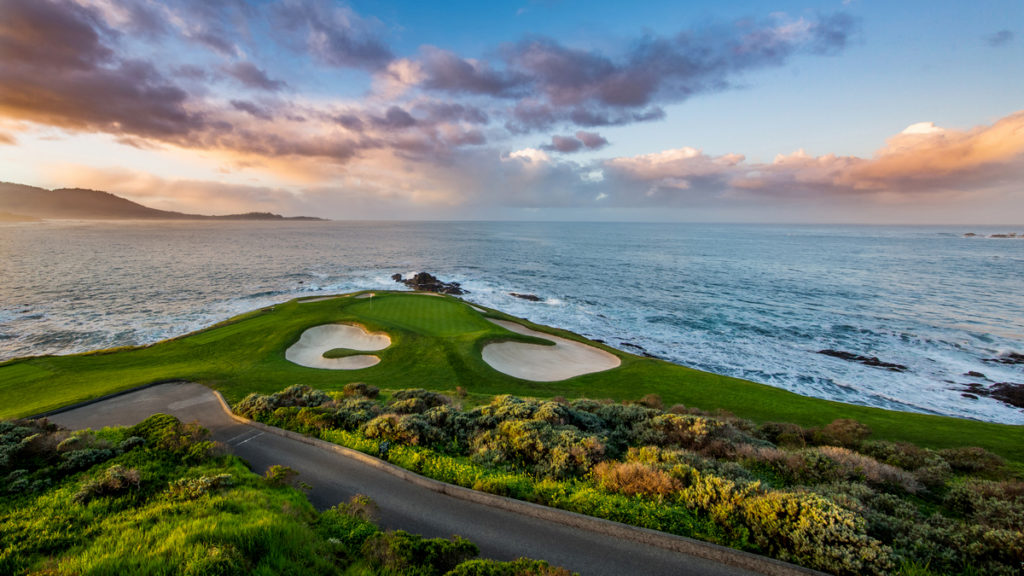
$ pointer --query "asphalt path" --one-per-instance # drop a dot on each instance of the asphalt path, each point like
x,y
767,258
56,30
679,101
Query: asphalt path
x,y
500,534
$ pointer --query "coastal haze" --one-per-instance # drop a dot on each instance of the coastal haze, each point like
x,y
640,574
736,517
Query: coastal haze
x,y
758,302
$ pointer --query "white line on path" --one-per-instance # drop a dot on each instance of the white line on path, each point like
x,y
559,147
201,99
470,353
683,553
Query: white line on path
x,y
250,438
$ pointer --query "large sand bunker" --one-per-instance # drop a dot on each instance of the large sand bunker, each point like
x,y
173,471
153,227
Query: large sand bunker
x,y
309,350
567,358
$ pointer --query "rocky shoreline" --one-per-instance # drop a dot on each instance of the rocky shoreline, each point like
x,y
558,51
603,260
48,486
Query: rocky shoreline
x,y
426,282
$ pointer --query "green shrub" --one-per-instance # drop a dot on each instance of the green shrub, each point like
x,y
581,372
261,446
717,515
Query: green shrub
x,y
278,475
807,529
194,487
973,460
398,552
360,390
520,567
116,480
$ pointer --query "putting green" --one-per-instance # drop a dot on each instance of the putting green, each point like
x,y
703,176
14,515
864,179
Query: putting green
x,y
436,343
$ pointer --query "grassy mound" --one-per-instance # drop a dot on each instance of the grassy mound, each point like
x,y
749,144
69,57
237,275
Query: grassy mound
x,y
436,344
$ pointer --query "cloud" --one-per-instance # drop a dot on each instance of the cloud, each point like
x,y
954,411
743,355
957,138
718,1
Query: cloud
x,y
79,82
1000,38
922,159
582,140
251,76
334,34
9,139
252,109
553,83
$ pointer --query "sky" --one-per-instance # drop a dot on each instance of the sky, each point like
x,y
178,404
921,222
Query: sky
x,y
846,111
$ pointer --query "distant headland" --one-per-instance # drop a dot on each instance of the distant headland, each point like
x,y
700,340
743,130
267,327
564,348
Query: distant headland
x,y
20,203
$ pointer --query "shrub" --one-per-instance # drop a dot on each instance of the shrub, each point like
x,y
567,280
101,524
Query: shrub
x,y
633,478
192,488
428,398
852,466
805,528
843,432
131,443
408,554
973,460
520,567
652,401
783,434
82,459
116,480
360,390
278,475
349,525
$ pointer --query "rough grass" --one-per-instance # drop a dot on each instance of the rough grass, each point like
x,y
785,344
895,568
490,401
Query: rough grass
x,y
436,343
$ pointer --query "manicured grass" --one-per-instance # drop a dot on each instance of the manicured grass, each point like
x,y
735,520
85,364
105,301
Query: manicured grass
x,y
436,343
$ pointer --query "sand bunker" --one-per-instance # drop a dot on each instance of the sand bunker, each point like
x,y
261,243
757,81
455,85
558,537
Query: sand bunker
x,y
567,358
309,350
366,295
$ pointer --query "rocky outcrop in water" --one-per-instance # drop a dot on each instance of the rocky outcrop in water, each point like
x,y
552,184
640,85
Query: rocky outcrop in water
x,y
426,282
530,297
865,360
1006,392
1008,358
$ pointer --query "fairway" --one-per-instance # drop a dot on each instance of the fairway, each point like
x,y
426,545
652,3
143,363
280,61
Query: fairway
x,y
436,343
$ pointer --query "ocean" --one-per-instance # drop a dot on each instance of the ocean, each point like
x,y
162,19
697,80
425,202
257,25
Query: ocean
x,y
756,302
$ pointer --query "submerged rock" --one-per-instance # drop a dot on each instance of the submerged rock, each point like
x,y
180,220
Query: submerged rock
x,y
530,297
865,360
1008,358
426,282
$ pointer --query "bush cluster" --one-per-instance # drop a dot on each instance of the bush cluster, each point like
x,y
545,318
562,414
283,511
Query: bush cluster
x,y
828,498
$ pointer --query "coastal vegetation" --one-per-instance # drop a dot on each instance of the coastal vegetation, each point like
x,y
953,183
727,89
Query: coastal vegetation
x,y
831,498
158,498
436,345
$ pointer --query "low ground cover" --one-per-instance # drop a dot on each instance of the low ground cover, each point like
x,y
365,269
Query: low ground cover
x,y
157,498
436,343
832,498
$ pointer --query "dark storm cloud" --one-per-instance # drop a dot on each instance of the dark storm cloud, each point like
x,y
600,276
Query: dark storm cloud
x,y
334,34
252,76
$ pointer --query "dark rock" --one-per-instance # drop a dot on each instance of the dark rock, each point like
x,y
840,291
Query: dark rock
x,y
1008,393
970,396
426,282
865,360
1008,358
631,345
974,374
530,297
970,235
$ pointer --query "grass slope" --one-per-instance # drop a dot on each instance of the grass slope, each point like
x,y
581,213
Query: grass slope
x,y
436,343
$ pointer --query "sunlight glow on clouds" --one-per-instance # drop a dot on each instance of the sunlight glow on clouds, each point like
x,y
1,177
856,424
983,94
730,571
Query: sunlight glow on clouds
x,y
308,105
